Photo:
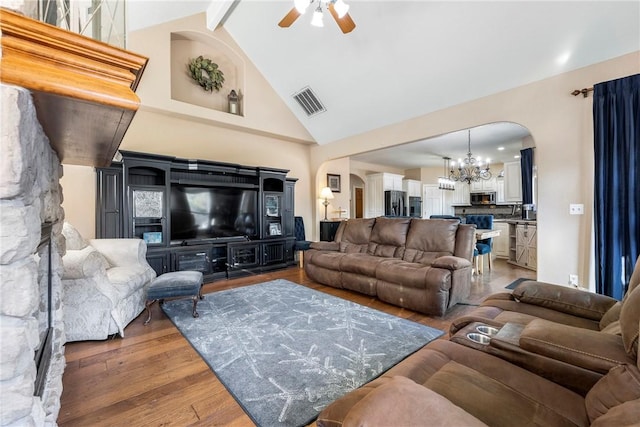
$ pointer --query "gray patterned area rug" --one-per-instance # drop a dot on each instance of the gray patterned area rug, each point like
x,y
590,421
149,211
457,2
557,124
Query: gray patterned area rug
x,y
285,351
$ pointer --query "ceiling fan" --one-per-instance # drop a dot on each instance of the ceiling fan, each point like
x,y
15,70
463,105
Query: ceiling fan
x,y
337,8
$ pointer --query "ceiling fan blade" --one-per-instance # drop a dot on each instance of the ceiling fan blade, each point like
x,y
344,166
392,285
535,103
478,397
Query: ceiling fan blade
x,y
345,23
289,18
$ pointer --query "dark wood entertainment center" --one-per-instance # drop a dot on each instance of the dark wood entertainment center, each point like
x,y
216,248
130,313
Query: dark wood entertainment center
x,y
138,197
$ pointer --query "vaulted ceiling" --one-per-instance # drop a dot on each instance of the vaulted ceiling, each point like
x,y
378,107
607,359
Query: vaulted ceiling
x,y
409,58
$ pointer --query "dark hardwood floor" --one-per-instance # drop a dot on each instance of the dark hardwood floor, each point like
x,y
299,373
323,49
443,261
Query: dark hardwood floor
x,y
153,377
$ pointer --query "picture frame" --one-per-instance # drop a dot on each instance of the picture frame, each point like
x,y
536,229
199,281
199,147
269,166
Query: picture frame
x,y
152,237
272,205
148,203
274,229
333,182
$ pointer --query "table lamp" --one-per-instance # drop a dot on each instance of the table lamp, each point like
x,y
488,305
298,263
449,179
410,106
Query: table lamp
x,y
326,194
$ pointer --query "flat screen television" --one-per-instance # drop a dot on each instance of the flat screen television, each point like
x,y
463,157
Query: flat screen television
x,y
212,212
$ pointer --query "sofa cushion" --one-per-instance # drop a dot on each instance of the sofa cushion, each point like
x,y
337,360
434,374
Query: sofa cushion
x,y
402,402
388,237
480,395
550,402
330,260
360,263
629,320
634,280
410,274
621,384
356,234
429,239
612,315
624,415
127,280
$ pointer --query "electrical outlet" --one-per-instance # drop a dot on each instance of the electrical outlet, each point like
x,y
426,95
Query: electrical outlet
x,y
576,209
573,280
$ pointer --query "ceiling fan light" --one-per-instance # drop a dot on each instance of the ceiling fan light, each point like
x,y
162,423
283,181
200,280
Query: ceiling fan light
x,y
341,8
301,5
316,21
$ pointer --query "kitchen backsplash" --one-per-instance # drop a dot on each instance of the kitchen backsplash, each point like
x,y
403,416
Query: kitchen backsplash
x,y
498,211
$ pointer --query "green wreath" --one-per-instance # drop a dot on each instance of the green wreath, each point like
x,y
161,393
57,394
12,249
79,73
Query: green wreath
x,y
206,73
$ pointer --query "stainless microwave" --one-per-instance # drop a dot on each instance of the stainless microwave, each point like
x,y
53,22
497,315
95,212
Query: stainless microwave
x,y
484,198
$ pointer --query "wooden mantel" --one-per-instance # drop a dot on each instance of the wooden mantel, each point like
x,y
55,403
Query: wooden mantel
x,y
83,89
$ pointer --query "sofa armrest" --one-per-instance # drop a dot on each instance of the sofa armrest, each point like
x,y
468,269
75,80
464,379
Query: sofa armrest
x,y
572,301
325,246
503,296
82,263
592,350
122,252
451,262
400,401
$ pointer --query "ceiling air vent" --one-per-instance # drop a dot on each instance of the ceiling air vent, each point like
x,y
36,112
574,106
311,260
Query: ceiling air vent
x,y
309,102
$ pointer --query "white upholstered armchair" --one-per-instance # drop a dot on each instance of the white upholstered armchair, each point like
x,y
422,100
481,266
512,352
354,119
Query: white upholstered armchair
x,y
103,285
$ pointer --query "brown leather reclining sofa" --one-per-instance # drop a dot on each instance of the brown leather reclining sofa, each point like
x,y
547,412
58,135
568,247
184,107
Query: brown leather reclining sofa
x,y
420,264
510,379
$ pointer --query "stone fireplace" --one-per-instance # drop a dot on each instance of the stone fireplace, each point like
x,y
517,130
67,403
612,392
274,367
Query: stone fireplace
x,y
30,266
64,98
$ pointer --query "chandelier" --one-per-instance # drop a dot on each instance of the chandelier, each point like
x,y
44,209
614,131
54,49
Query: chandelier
x,y
470,169
444,182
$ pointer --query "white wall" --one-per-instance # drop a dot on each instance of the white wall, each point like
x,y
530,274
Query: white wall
x,y
562,129
79,198
341,200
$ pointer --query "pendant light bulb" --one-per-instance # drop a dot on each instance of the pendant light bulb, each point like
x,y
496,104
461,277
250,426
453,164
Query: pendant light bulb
x,y
316,21
301,5
341,8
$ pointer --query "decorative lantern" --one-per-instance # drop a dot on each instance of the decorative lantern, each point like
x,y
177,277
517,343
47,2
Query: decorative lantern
x,y
234,102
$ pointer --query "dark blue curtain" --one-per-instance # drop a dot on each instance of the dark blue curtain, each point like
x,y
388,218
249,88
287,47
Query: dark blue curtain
x,y
526,170
616,116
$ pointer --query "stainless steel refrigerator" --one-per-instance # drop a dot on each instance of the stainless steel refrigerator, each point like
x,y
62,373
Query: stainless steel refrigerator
x,y
394,203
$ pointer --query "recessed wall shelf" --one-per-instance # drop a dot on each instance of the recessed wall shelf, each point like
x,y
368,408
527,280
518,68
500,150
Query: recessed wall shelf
x,y
185,46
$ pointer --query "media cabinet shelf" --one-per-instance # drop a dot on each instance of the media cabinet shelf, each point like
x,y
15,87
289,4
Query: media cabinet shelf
x,y
240,221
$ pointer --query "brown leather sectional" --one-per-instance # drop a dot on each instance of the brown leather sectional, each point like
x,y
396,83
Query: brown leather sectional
x,y
555,357
420,264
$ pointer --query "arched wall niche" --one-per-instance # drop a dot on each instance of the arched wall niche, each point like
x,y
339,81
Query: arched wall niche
x,y
187,45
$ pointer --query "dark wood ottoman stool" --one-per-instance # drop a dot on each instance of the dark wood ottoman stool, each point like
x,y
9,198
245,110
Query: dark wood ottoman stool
x,y
178,284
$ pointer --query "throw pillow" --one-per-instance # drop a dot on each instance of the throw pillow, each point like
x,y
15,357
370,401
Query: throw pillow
x,y
74,239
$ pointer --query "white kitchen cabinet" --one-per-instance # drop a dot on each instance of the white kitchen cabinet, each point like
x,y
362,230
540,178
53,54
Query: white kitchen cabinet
x,y
500,199
483,185
461,195
501,243
391,181
412,187
373,196
375,186
512,182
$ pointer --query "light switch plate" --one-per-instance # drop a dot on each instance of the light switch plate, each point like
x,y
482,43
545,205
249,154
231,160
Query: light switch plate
x,y
576,209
